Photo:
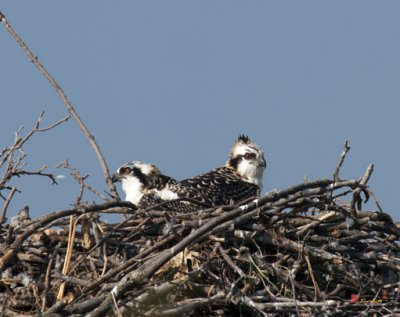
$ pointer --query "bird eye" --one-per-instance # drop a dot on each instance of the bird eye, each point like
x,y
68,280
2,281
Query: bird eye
x,y
249,156
126,170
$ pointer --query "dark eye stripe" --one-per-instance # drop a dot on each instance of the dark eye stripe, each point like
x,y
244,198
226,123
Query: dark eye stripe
x,y
142,178
234,162
249,156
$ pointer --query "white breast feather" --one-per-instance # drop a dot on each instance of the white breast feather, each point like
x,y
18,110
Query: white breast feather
x,y
251,172
166,194
133,189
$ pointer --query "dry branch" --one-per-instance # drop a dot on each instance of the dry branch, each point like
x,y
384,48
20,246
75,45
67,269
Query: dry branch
x,y
12,163
71,110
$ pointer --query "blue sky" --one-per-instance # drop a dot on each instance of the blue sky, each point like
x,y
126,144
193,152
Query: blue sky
x,y
175,82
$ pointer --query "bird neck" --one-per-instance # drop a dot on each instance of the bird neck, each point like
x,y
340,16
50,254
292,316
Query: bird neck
x,y
133,189
250,173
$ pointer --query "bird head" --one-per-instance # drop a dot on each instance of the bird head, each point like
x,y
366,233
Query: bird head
x,y
136,177
247,158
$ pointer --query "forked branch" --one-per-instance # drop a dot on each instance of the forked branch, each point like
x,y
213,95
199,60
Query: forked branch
x,y
34,59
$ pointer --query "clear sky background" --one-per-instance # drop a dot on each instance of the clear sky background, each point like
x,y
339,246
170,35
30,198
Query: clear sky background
x,y
175,82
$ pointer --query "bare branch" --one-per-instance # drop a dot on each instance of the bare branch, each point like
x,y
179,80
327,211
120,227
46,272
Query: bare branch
x,y
346,148
356,194
229,261
53,125
38,172
6,203
13,167
81,181
34,59
376,200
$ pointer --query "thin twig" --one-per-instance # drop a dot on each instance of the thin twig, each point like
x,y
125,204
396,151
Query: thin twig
x,y
346,148
376,200
81,181
38,172
47,277
13,166
230,262
65,119
34,59
356,193
6,203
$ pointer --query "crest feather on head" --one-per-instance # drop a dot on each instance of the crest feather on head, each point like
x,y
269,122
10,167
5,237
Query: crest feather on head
x,y
243,140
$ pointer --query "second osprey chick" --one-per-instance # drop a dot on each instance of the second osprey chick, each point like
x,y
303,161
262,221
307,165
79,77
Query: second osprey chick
x,y
145,186
239,179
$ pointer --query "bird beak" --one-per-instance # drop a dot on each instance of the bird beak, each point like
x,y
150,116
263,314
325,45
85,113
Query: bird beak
x,y
263,163
114,178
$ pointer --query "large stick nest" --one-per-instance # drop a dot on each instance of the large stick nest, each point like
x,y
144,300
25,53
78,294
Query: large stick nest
x,y
308,249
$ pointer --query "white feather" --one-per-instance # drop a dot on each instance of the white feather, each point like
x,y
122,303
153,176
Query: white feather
x,y
133,189
146,168
166,194
251,171
239,149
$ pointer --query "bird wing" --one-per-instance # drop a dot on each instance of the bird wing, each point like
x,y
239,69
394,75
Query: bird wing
x,y
166,183
153,200
222,186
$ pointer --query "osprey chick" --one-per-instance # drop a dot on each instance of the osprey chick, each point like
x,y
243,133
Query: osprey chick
x,y
145,186
239,179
